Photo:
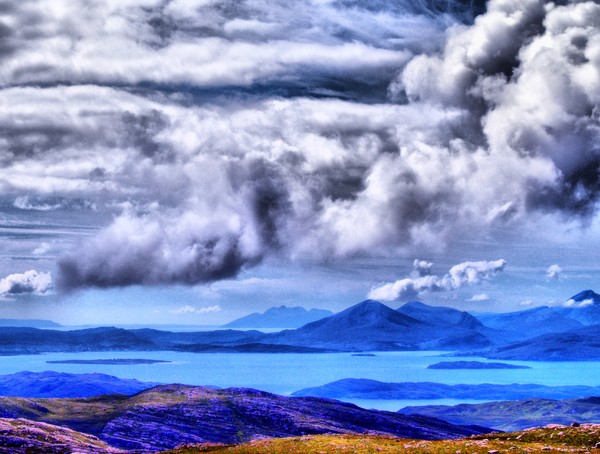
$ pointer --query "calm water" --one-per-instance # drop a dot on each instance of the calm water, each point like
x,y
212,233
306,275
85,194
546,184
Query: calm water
x,y
286,373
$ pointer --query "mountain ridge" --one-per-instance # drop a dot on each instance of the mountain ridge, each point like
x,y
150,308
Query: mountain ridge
x,y
371,325
280,317
366,326
581,344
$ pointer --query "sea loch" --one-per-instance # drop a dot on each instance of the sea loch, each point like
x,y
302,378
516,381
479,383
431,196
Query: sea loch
x,y
286,373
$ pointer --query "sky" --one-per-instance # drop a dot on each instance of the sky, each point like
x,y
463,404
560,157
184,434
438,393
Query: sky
x,y
192,161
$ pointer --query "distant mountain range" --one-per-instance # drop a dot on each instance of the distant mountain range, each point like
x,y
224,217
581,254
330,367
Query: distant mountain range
x,y
581,344
280,317
532,322
516,415
352,388
552,334
28,323
371,325
580,310
170,415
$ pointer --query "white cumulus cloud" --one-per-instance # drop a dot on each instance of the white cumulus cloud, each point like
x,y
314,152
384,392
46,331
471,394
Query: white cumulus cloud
x,y
463,274
554,272
480,297
196,310
29,282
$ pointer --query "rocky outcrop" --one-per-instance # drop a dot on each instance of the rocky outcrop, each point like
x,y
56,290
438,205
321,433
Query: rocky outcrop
x,y
23,436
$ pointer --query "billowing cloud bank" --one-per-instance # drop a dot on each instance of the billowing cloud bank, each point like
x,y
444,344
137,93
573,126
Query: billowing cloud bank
x,y
461,275
219,132
29,282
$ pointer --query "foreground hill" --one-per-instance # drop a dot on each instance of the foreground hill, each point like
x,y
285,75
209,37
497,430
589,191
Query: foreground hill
x,y
516,415
354,388
546,439
166,416
371,325
280,317
59,384
26,437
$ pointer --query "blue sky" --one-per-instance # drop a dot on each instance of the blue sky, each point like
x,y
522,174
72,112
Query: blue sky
x,y
190,161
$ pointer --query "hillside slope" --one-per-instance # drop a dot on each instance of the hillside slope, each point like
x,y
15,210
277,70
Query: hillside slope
x,y
166,416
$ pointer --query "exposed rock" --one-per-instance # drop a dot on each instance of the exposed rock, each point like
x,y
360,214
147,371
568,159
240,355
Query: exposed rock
x,y
24,436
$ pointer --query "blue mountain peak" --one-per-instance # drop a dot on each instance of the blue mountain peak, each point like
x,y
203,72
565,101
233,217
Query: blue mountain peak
x,y
585,296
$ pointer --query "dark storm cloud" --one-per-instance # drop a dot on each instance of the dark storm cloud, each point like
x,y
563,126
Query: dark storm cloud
x,y
221,132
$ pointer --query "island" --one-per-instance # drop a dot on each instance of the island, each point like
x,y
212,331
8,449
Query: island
x,y
109,362
473,365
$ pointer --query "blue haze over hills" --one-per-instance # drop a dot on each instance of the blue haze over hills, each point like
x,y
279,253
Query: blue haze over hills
x,y
558,333
280,317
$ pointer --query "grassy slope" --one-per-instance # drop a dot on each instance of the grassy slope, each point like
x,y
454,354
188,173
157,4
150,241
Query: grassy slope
x,y
86,415
541,440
